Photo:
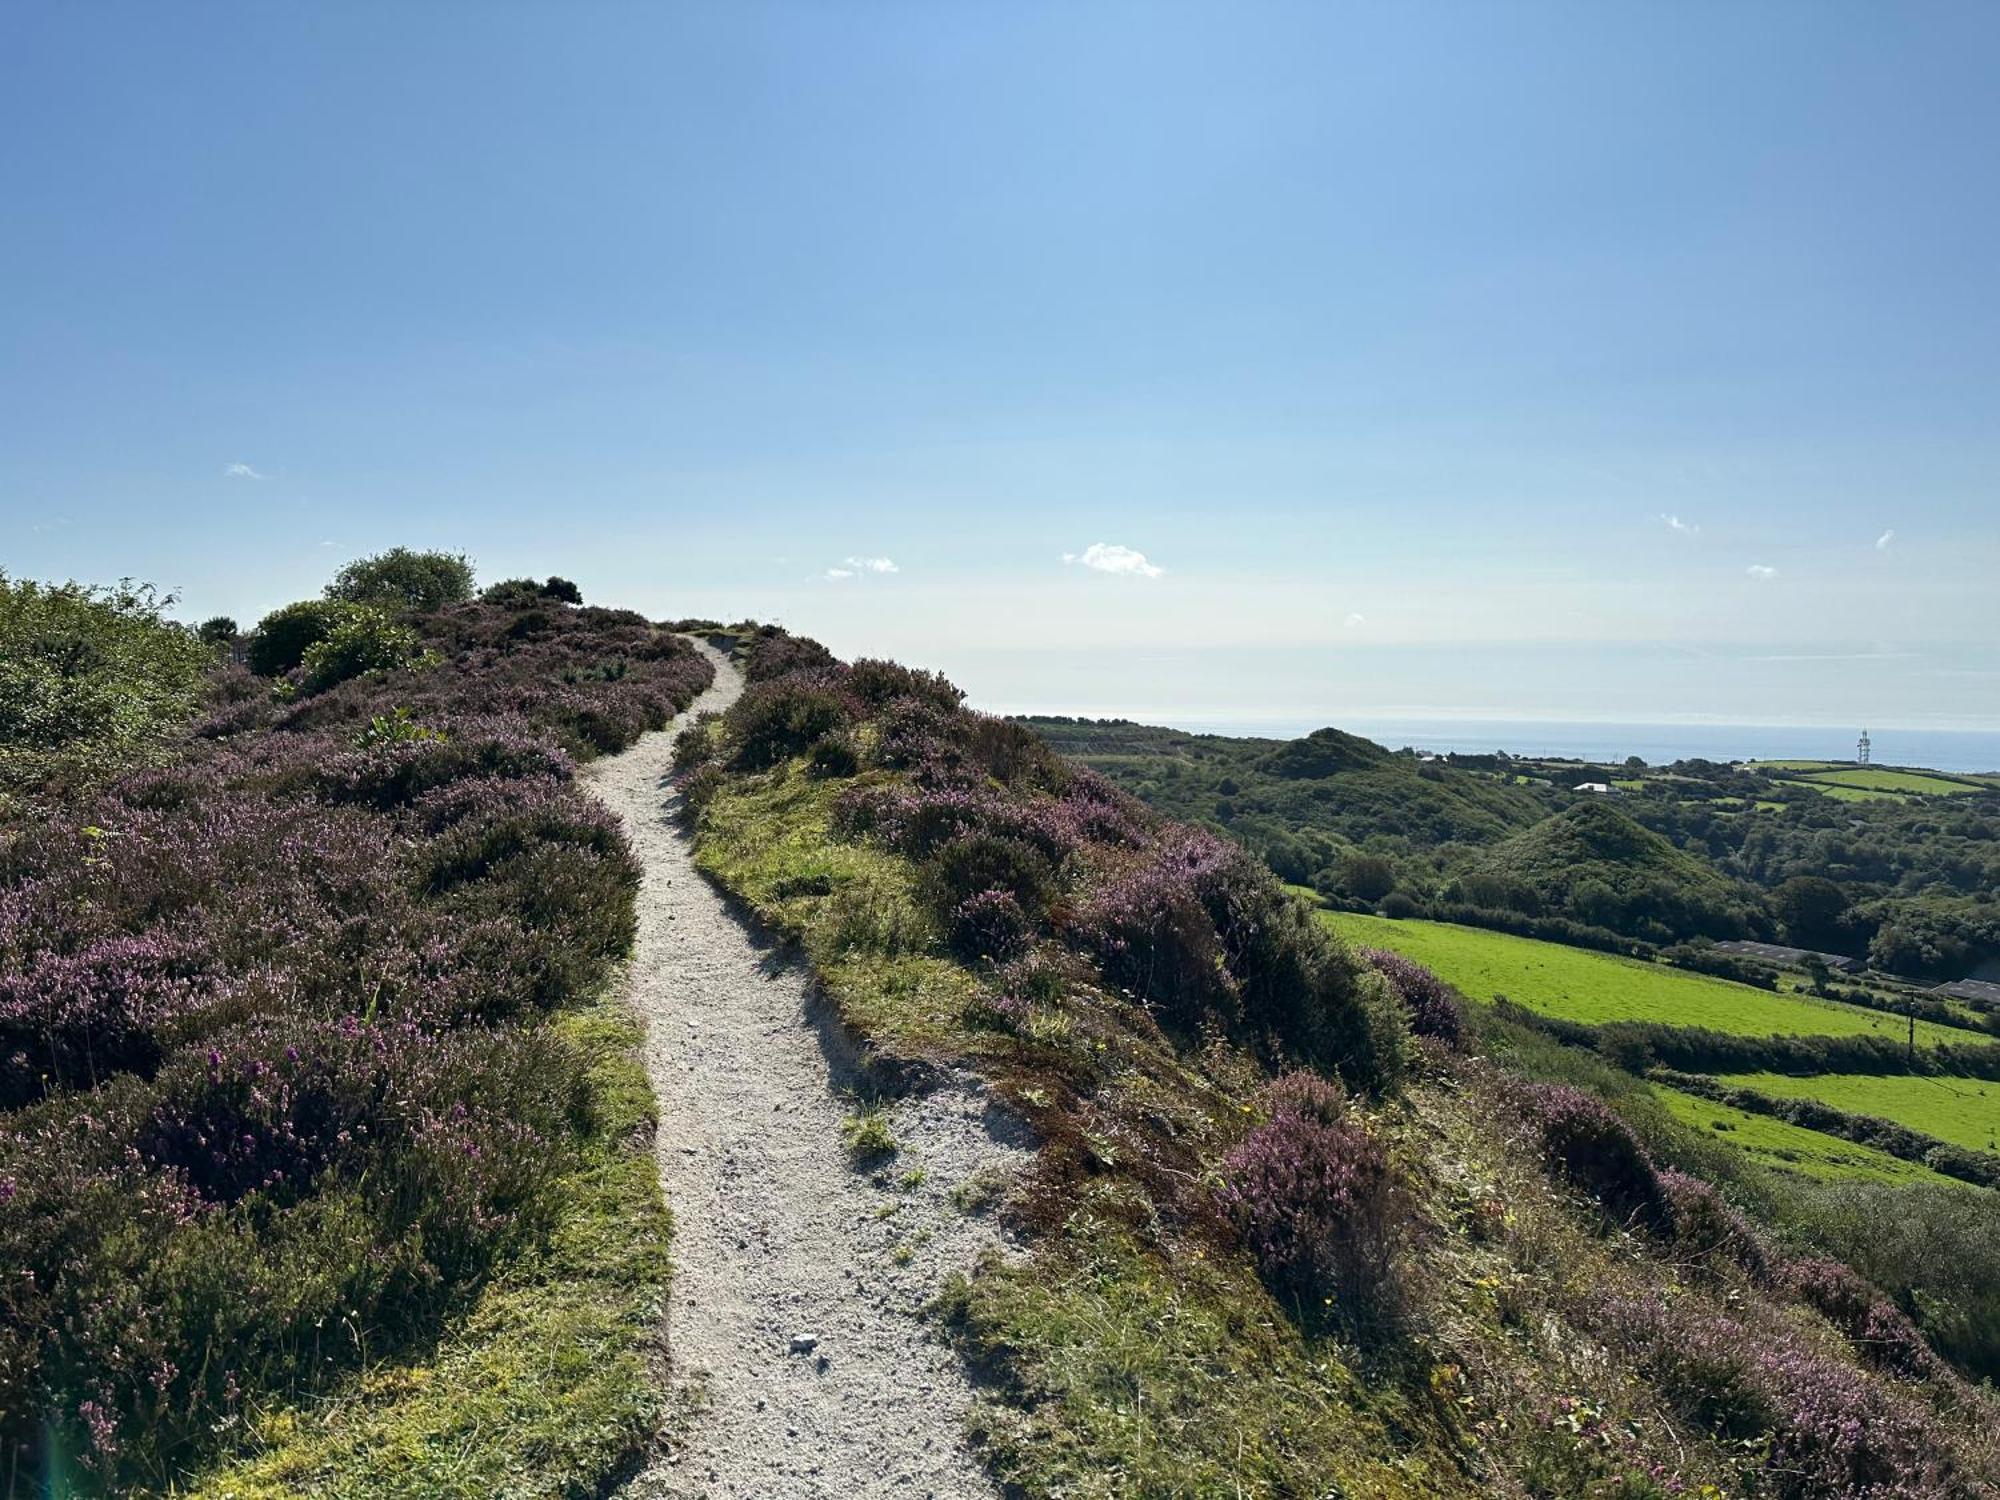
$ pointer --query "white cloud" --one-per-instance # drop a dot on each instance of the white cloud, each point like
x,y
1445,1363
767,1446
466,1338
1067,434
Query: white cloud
x,y
872,565
1882,542
1675,523
240,471
834,575
1355,621
1106,557
1761,570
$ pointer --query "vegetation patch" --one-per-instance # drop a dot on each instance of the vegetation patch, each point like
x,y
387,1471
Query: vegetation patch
x,y
1595,988
1965,1111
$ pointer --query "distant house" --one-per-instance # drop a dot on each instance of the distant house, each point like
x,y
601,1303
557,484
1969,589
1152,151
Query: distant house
x,y
1977,991
1597,788
1779,956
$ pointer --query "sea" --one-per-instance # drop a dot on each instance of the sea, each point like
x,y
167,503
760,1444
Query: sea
x,y
1962,750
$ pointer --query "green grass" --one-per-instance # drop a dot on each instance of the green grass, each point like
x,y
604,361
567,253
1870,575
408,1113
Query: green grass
x,y
1882,779
1792,1148
1579,985
548,1387
1853,793
767,839
1965,1111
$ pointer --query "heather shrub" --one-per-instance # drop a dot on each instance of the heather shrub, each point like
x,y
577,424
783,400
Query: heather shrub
x,y
405,579
282,637
877,683
697,743
366,640
1707,1231
1153,936
1877,1329
836,754
1316,1201
1584,1139
974,863
699,787
1428,1002
772,654
773,721
990,925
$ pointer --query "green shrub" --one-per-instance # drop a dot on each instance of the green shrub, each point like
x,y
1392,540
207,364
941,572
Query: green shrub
x,y
283,637
402,578
776,720
366,641
88,676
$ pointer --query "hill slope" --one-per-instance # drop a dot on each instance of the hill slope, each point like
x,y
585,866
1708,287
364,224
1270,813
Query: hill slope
x,y
1593,864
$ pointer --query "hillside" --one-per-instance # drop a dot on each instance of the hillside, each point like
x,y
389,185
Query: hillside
x,y
1302,803
1018,1139
1594,865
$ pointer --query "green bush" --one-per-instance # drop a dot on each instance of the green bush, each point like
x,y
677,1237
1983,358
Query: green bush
x,y
285,635
366,641
402,578
88,676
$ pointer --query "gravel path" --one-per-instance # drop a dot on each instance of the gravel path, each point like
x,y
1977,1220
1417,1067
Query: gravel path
x,y
799,1360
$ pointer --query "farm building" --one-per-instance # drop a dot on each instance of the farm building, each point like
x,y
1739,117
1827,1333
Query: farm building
x,y
1788,958
1976,991
1598,788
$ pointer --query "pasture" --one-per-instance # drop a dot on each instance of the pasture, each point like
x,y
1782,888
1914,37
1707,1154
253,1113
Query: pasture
x,y
1964,1111
1885,779
1792,1148
1579,985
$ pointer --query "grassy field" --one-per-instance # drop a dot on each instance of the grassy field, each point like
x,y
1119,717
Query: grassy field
x,y
1965,1111
1882,779
1579,985
1792,1148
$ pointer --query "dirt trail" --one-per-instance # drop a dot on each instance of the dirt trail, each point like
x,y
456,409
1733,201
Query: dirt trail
x,y
792,1324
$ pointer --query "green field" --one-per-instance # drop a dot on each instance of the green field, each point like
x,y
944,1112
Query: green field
x,y
1882,779
1580,985
1964,1111
1853,793
1792,1148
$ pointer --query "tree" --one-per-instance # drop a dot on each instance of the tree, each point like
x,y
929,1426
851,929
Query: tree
x,y
1367,877
218,630
562,591
402,578
1813,911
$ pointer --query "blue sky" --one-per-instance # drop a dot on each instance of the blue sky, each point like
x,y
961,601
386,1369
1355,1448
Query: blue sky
x,y
1635,361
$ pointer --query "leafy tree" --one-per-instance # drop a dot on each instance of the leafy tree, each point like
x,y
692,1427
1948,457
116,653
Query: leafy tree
x,y
283,637
1813,910
1368,877
217,630
562,591
402,578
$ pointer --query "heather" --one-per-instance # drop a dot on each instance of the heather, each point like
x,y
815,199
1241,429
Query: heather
x,y
1301,1222
286,1086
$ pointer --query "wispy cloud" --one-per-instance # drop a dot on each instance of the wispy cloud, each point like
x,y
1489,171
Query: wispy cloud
x,y
240,471
1882,542
872,565
1355,620
834,575
1675,523
1107,557
1761,570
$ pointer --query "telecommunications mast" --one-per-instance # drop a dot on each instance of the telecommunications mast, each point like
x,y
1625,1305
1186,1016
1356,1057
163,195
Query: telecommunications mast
x,y
1861,750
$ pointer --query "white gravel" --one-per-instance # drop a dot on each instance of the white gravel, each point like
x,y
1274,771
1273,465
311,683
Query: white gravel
x,y
800,1364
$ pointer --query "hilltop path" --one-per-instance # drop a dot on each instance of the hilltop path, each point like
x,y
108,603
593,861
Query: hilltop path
x,y
800,1367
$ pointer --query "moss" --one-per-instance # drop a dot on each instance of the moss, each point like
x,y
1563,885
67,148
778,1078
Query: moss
x,y
548,1387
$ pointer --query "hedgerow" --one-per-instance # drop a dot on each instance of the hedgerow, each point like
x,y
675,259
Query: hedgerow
x,y
280,1091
